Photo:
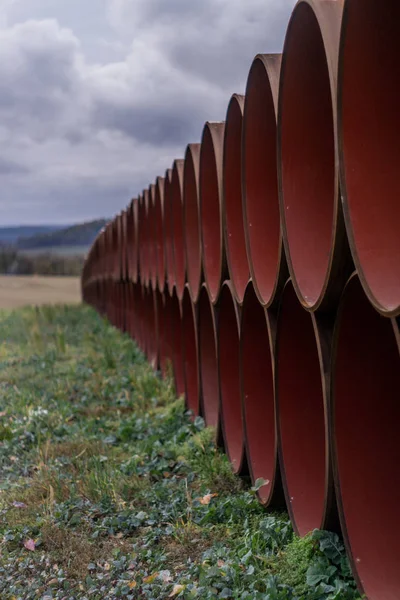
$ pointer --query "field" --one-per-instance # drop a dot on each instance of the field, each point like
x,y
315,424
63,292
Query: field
x,y
109,489
21,291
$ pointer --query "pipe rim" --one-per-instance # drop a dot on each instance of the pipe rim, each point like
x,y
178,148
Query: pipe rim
x,y
178,234
169,254
189,310
159,233
210,407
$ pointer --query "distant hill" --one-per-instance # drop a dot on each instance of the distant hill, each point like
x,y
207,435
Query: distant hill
x,y
9,235
82,234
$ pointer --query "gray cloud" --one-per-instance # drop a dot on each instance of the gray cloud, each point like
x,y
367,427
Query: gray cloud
x,y
93,109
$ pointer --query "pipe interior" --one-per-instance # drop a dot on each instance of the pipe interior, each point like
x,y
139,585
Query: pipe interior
x,y
301,415
210,214
307,153
235,240
229,372
366,419
178,232
208,361
258,393
190,356
370,101
192,225
177,353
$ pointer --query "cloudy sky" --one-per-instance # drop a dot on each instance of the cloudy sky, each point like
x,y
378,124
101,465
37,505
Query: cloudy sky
x,y
97,97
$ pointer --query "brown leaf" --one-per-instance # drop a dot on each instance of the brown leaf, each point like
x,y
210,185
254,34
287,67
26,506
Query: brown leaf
x,y
30,545
177,590
206,499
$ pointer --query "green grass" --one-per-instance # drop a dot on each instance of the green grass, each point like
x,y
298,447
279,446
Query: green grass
x,y
108,489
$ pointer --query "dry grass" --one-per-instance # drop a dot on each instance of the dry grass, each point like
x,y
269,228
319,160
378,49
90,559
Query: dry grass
x,y
16,291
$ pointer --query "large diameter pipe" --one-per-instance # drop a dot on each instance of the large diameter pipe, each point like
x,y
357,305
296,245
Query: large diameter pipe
x,y
211,216
133,252
141,239
365,437
235,243
260,184
257,388
164,351
311,214
177,343
208,360
168,232
152,238
191,362
228,335
178,236
303,355
146,226
191,214
159,233
369,122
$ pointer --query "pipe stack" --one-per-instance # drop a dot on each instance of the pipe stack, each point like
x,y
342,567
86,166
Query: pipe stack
x,y
264,266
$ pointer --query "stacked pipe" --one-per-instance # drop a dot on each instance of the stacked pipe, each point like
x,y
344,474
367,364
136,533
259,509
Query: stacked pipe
x,y
265,267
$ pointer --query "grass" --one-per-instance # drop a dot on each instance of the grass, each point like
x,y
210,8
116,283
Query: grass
x,y
109,489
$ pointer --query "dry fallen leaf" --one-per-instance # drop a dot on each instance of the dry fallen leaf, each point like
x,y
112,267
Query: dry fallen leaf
x,y
207,498
30,545
132,585
150,578
177,590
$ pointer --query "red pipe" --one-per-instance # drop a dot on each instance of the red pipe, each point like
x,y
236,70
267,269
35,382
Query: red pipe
x,y
168,231
211,217
365,437
303,353
190,353
235,243
257,386
141,239
191,216
369,124
152,238
163,350
134,242
159,232
228,335
177,344
146,243
178,238
208,350
311,214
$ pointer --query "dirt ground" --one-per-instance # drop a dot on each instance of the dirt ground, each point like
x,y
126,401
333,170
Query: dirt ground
x,y
20,290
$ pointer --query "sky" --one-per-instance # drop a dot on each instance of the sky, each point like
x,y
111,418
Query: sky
x,y
98,97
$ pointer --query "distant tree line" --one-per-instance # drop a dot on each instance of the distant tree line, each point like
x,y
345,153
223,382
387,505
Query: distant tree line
x,y
14,263
76,235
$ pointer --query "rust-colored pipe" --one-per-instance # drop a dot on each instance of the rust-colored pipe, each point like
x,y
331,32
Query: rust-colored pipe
x,y
177,343
208,350
141,239
159,233
228,334
152,238
146,226
257,387
303,354
365,417
163,350
259,179
211,217
168,231
190,353
369,124
191,216
235,243
178,238
134,265
311,214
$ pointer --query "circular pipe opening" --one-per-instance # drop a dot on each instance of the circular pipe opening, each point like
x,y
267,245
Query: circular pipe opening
x,y
177,225
258,394
369,122
366,414
235,243
177,345
306,145
191,209
190,353
152,238
301,415
208,360
159,233
211,155
229,377
168,231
